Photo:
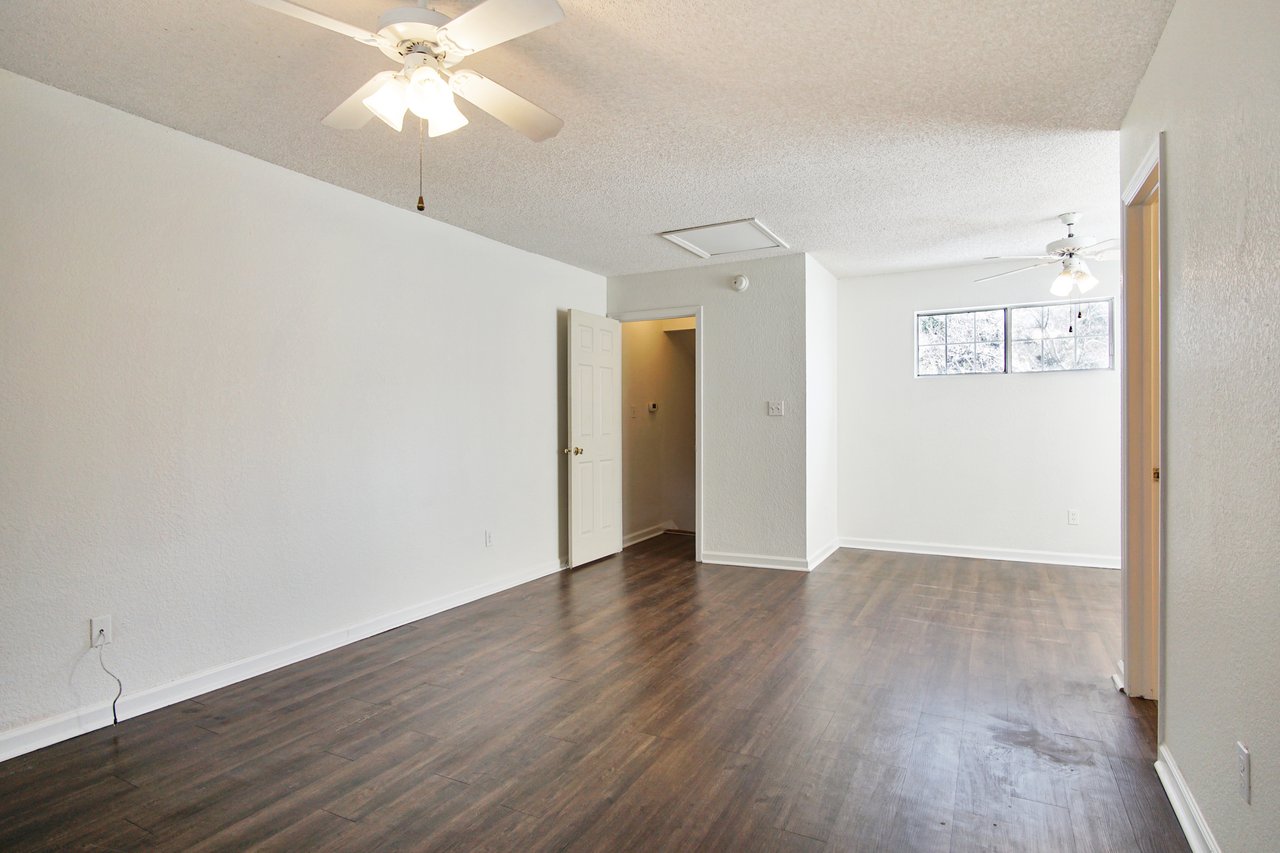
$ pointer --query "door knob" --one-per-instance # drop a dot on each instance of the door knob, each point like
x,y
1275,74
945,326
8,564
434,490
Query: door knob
x,y
577,451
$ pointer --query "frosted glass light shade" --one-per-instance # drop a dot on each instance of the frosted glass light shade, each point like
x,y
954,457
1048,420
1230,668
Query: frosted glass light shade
x,y
429,97
1062,284
446,119
390,102
1085,280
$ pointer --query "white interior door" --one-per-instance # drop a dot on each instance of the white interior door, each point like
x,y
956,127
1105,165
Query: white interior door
x,y
594,454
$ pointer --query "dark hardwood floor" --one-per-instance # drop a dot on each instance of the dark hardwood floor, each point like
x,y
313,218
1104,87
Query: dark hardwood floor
x,y
884,702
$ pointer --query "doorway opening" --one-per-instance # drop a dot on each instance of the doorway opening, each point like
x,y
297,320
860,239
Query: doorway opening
x,y
661,446
1142,545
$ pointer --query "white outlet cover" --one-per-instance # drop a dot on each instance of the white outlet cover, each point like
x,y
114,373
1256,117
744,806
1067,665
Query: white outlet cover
x,y
777,408
96,624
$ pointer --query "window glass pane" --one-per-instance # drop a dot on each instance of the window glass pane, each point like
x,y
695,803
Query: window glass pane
x,y
989,325
1025,356
933,329
960,358
1092,353
1059,354
933,361
1027,324
959,328
1095,320
990,358
1058,321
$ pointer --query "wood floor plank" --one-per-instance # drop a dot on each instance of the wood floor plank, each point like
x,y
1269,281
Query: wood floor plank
x,y
884,702
1014,825
1148,809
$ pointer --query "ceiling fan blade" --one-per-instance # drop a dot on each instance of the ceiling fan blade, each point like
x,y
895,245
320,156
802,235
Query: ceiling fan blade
x,y
352,114
496,21
1021,258
1095,245
302,13
506,106
1020,269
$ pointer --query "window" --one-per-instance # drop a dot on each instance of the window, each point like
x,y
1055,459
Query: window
x,y
1076,336
960,342
1015,339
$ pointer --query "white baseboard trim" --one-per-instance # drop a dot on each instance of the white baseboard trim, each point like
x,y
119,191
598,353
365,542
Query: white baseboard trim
x,y
816,558
648,533
42,733
1199,838
756,561
1056,558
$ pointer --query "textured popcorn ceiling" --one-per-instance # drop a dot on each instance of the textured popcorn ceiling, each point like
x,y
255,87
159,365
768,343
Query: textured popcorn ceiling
x,y
878,135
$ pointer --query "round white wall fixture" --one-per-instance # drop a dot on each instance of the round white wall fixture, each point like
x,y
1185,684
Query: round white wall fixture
x,y
739,283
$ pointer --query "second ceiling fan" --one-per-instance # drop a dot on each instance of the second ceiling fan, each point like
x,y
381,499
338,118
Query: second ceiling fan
x,y
427,46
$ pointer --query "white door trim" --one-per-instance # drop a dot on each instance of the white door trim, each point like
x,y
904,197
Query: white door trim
x,y
694,311
1142,670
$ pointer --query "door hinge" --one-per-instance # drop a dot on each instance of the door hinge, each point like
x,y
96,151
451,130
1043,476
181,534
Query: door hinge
x,y
1155,474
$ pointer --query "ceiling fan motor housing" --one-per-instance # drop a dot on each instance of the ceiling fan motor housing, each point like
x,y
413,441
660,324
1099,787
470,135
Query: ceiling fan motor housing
x,y
1069,245
406,26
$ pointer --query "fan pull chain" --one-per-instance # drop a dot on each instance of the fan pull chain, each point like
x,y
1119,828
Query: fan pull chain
x,y
422,144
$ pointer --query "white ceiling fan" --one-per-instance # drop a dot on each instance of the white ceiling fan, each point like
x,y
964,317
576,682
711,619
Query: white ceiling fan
x,y
1071,252
427,45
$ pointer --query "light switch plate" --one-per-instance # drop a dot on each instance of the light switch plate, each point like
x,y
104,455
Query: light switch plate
x,y
1242,769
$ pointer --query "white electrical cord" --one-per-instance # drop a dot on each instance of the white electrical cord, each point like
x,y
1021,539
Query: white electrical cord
x,y
102,636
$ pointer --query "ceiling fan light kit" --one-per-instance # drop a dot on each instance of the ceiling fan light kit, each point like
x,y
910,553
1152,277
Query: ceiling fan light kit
x,y
1074,278
420,90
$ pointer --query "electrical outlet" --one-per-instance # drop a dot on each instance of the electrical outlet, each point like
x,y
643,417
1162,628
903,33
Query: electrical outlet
x,y
1073,516
99,631
776,408
1242,770
488,539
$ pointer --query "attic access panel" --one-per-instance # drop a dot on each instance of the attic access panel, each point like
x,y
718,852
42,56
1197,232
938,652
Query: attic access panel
x,y
725,238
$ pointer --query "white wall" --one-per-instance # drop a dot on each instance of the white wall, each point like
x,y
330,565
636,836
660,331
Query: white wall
x,y
658,448
822,436
753,351
679,435
984,465
1214,87
241,409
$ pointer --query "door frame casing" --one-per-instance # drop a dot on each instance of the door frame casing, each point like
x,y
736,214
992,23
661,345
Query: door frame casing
x,y
696,312
1142,579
